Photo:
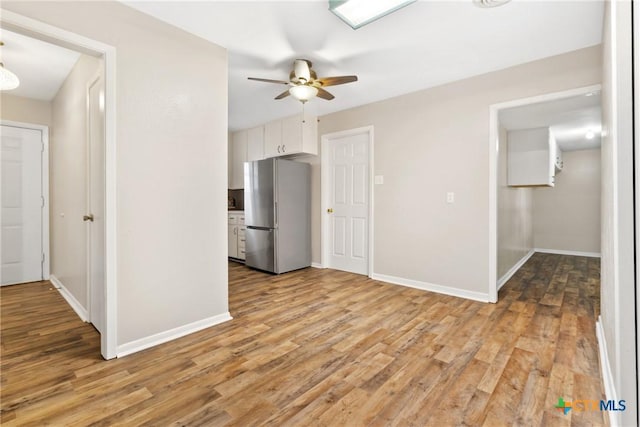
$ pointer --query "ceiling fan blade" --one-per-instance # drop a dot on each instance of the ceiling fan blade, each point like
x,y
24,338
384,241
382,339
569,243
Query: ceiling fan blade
x,y
283,94
324,94
340,80
280,82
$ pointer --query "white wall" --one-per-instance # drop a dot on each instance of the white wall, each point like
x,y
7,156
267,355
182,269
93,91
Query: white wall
x,y
67,185
434,141
171,145
515,216
617,268
567,217
26,110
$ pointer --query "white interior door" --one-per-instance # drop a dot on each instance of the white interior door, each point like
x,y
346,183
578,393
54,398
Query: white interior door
x,y
348,209
95,202
22,205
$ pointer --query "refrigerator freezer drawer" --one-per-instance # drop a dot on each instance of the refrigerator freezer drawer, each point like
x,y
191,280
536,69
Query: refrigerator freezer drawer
x,y
260,248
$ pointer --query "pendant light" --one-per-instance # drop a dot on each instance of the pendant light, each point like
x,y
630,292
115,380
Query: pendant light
x,y
8,80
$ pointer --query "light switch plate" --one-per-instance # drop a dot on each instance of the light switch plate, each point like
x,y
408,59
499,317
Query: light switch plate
x,y
378,179
451,197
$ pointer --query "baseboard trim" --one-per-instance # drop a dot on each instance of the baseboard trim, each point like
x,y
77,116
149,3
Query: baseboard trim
x,y
431,287
171,334
82,312
505,278
316,265
573,253
607,376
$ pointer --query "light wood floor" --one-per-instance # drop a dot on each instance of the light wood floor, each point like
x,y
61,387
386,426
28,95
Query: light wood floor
x,y
320,347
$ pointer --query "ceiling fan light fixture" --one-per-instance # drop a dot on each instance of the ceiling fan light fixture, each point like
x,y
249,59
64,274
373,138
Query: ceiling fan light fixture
x,y
8,80
303,93
358,13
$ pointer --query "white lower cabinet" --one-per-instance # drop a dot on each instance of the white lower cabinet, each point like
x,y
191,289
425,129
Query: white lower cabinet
x,y
235,236
233,241
241,240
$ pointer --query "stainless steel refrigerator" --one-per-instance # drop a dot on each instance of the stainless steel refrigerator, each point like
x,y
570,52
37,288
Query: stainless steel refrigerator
x,y
277,208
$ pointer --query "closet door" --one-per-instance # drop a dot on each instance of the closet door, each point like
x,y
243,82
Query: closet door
x,y
22,204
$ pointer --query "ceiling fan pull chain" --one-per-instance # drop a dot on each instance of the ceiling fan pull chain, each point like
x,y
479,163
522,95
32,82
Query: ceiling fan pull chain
x,y
303,121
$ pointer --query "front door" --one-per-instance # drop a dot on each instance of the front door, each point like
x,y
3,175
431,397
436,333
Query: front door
x,y
22,203
348,210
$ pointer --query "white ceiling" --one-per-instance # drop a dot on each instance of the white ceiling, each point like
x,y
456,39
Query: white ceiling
x,y
425,44
41,67
569,120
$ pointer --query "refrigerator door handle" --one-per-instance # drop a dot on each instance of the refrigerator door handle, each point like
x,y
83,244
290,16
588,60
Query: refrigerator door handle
x,y
251,227
275,213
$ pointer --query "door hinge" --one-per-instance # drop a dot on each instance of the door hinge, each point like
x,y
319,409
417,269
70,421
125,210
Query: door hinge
x,y
42,258
42,146
42,198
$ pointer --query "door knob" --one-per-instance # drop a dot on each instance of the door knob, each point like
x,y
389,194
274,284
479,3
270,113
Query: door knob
x,y
330,210
88,217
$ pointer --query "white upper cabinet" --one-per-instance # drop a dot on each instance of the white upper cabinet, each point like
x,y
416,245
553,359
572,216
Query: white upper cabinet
x,y
238,150
255,144
300,135
558,162
285,137
532,156
272,139
293,135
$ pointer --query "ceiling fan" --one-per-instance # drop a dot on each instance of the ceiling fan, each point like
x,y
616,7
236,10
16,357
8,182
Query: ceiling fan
x,y
305,84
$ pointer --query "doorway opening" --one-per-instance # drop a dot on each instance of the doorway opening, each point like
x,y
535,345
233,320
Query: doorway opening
x,y
544,179
99,99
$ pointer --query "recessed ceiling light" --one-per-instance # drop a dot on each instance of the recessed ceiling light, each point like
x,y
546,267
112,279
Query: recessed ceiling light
x,y
590,134
490,3
357,13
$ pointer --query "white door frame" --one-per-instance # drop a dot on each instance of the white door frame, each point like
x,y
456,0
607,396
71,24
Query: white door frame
x,y
636,134
494,111
325,140
44,130
40,30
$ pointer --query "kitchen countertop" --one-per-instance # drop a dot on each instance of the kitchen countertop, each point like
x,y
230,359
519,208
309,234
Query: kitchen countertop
x,y
236,210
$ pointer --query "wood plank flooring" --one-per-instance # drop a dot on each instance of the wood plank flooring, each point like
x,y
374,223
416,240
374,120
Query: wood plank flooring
x,y
321,348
